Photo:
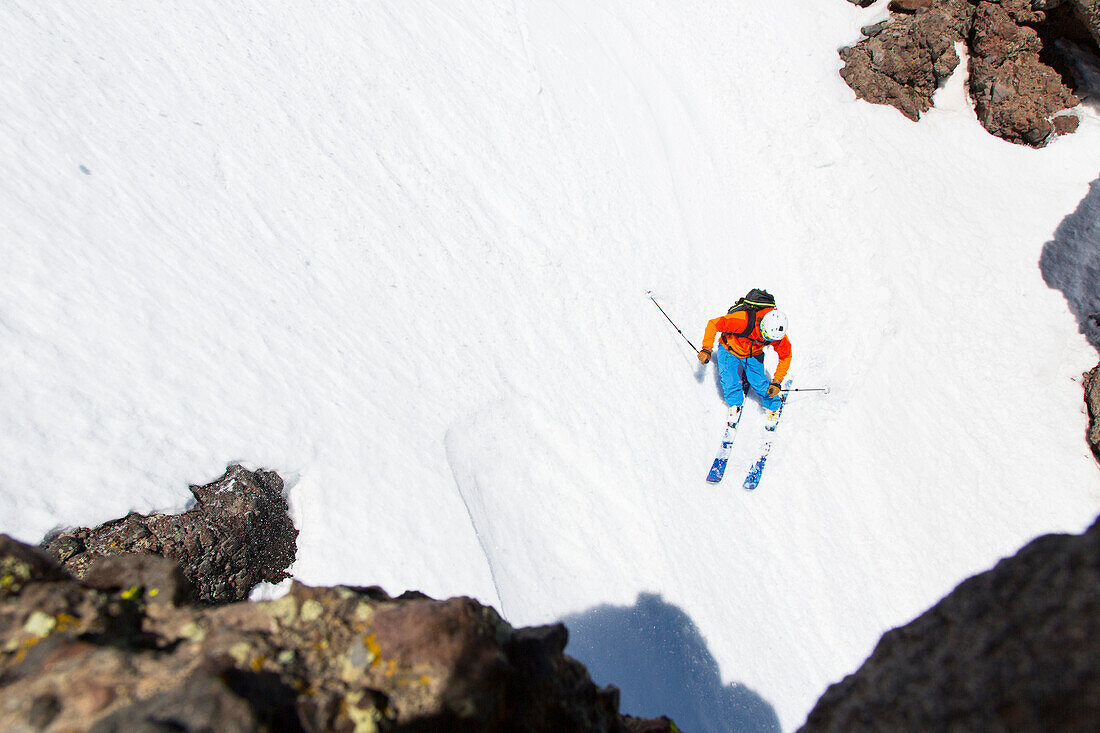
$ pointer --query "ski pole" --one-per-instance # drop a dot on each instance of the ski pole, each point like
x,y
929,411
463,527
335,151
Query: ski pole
x,y
807,389
650,294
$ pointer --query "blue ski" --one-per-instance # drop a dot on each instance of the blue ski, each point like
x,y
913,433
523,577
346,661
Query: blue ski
x,y
719,466
757,470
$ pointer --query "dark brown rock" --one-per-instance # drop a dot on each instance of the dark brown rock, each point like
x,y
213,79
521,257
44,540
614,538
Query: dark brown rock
x,y
1065,124
238,534
1016,91
642,725
104,654
156,578
21,564
1015,648
1092,402
202,703
873,30
909,6
904,62
1089,13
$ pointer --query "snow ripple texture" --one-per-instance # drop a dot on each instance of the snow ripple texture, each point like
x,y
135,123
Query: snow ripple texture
x,y
399,252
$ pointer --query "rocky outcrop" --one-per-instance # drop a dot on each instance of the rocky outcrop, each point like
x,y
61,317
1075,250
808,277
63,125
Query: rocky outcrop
x,y
662,724
129,656
238,534
1015,93
1016,81
1092,401
1088,11
903,62
22,564
1015,648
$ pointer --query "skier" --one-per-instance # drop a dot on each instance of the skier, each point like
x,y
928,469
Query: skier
x,y
749,326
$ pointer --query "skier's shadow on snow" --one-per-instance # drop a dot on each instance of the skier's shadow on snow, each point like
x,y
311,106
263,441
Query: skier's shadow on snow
x,y
1071,263
659,661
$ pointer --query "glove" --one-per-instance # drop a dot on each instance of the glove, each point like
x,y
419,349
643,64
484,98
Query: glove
x,y
704,356
774,388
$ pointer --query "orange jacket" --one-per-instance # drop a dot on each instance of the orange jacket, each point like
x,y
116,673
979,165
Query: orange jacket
x,y
748,346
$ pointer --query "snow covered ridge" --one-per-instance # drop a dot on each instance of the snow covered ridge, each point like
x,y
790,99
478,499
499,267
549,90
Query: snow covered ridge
x,y
1029,60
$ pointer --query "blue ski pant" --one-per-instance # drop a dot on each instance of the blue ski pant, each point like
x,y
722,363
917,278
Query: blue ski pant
x,y
732,368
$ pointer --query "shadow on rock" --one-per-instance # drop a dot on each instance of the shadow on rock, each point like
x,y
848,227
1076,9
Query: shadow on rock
x,y
654,653
1071,263
1016,648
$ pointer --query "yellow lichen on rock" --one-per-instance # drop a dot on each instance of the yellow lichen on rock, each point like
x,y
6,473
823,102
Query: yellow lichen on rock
x,y
65,622
39,624
365,721
241,653
311,611
284,610
375,650
192,632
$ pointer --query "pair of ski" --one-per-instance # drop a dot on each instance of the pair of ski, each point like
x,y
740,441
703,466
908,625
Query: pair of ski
x,y
752,480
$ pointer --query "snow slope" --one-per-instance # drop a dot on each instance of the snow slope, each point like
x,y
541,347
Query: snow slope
x,y
399,252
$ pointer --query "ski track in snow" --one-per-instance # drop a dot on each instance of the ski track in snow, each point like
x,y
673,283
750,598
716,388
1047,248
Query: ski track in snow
x,y
398,253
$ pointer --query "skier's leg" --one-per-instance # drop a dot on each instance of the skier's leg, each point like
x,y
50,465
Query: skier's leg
x,y
760,381
729,376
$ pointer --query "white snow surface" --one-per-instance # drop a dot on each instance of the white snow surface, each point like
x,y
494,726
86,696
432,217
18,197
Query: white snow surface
x,y
399,253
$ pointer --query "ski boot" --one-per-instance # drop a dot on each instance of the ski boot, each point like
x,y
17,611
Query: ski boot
x,y
771,419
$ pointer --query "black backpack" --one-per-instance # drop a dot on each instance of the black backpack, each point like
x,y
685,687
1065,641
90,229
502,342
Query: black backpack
x,y
753,302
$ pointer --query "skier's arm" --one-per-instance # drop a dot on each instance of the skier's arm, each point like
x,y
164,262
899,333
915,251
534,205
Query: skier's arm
x,y
732,323
708,335
783,349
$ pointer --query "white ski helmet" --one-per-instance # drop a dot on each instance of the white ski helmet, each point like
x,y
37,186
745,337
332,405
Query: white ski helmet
x,y
773,326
